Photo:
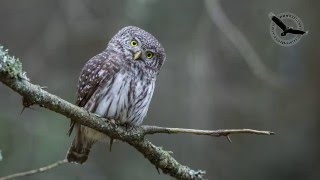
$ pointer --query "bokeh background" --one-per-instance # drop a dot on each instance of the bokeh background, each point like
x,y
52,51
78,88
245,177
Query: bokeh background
x,y
223,70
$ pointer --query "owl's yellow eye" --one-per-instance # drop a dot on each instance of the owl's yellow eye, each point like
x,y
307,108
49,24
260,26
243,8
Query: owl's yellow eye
x,y
149,54
134,43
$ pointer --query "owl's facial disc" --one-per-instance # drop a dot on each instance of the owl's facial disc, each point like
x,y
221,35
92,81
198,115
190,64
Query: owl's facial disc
x,y
141,49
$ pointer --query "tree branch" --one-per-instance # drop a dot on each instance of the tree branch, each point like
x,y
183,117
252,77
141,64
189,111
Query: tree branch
x,y
12,75
35,171
216,133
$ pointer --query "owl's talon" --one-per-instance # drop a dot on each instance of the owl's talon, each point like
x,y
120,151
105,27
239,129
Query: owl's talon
x,y
127,126
135,127
110,144
130,127
111,121
158,170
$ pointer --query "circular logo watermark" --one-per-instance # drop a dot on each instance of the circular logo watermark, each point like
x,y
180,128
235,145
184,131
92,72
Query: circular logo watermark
x,y
286,29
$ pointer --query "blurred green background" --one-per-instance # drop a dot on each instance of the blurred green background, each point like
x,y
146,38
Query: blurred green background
x,y
206,83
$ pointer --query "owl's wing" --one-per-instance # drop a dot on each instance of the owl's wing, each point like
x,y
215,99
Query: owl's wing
x,y
98,69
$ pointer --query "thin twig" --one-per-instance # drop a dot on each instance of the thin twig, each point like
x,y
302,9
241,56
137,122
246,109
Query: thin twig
x,y
216,133
35,171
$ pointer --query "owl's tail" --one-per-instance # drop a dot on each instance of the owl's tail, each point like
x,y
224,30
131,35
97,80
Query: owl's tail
x,y
80,147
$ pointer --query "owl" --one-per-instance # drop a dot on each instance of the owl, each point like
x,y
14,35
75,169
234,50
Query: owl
x,y
117,84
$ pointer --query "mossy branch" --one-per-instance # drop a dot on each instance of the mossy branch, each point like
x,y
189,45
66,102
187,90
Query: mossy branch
x,y
12,75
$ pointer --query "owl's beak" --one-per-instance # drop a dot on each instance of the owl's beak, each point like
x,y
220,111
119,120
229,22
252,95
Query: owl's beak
x,y
137,55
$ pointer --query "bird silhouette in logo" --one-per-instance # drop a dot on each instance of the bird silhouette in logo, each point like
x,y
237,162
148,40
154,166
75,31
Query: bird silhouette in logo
x,y
285,28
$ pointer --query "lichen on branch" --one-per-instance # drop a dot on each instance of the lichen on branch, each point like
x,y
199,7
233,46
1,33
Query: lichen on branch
x,y
10,65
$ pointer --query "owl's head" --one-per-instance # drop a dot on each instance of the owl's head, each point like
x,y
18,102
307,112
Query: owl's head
x,y
140,48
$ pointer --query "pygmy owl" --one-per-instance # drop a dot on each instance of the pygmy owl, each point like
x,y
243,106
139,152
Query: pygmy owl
x,y
117,84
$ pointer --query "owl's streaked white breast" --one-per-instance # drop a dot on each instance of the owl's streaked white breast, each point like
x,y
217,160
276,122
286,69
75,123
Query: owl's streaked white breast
x,y
125,99
115,100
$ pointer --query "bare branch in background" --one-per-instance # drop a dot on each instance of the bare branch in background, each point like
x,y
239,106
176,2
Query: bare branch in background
x,y
238,39
12,75
1,155
35,171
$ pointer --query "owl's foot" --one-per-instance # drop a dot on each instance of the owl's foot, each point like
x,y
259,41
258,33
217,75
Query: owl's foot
x,y
130,126
112,122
